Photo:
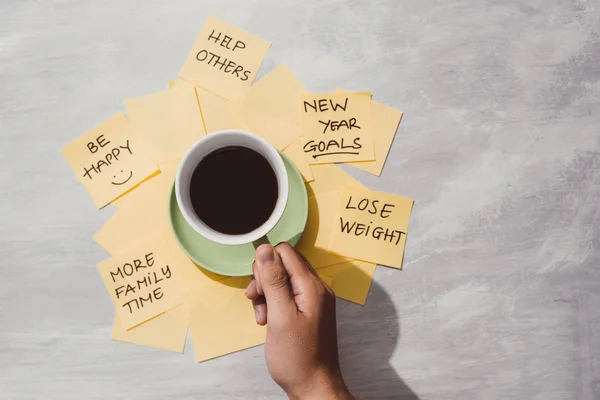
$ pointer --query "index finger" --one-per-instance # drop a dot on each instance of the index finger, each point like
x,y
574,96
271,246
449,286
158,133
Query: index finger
x,y
259,289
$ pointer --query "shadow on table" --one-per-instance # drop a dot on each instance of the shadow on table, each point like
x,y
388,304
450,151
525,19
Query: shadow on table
x,y
367,338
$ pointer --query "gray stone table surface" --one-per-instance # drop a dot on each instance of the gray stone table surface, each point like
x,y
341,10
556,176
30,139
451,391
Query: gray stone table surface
x,y
500,293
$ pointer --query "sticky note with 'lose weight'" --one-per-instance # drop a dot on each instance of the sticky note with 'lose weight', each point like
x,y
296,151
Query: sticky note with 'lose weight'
x,y
337,127
371,226
109,160
224,59
141,281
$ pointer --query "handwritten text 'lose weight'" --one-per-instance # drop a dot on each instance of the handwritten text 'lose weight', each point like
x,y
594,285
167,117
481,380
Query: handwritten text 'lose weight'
x,y
368,230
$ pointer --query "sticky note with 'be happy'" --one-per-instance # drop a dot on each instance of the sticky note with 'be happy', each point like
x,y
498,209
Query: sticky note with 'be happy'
x,y
109,160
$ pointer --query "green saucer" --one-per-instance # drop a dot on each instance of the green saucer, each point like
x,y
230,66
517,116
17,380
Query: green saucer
x,y
236,260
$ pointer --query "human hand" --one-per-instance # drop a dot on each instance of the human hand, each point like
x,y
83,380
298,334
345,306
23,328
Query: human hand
x,y
301,348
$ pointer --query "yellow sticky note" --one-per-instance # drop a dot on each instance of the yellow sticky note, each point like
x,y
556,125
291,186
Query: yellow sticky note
x,y
148,188
329,178
270,107
313,244
217,112
169,121
323,205
176,83
224,59
351,280
167,331
145,211
222,319
296,154
371,226
327,279
141,281
337,127
109,160
385,124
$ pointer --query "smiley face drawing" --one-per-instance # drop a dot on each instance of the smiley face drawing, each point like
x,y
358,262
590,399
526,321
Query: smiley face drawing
x,y
123,182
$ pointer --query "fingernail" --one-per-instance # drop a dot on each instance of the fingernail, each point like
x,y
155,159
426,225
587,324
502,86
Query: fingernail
x,y
256,315
259,312
265,255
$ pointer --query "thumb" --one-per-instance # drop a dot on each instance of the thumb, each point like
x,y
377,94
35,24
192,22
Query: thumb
x,y
274,280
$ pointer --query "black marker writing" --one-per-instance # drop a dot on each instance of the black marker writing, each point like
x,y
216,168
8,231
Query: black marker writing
x,y
150,279
323,105
108,159
377,232
226,41
138,303
128,269
223,64
145,288
333,153
122,182
323,148
371,206
336,125
92,147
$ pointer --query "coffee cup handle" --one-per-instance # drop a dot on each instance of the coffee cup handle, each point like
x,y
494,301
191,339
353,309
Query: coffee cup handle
x,y
259,241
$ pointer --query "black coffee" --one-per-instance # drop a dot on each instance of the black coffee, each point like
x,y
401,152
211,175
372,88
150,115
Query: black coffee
x,y
234,190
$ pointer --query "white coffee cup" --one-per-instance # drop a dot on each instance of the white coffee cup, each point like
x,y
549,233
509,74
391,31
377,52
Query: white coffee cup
x,y
204,147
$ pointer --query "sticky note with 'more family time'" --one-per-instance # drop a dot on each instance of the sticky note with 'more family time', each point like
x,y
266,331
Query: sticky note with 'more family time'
x,y
224,59
371,226
337,127
142,281
109,160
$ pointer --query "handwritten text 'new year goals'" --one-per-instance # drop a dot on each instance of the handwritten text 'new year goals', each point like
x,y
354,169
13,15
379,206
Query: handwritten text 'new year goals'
x,y
142,282
332,146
